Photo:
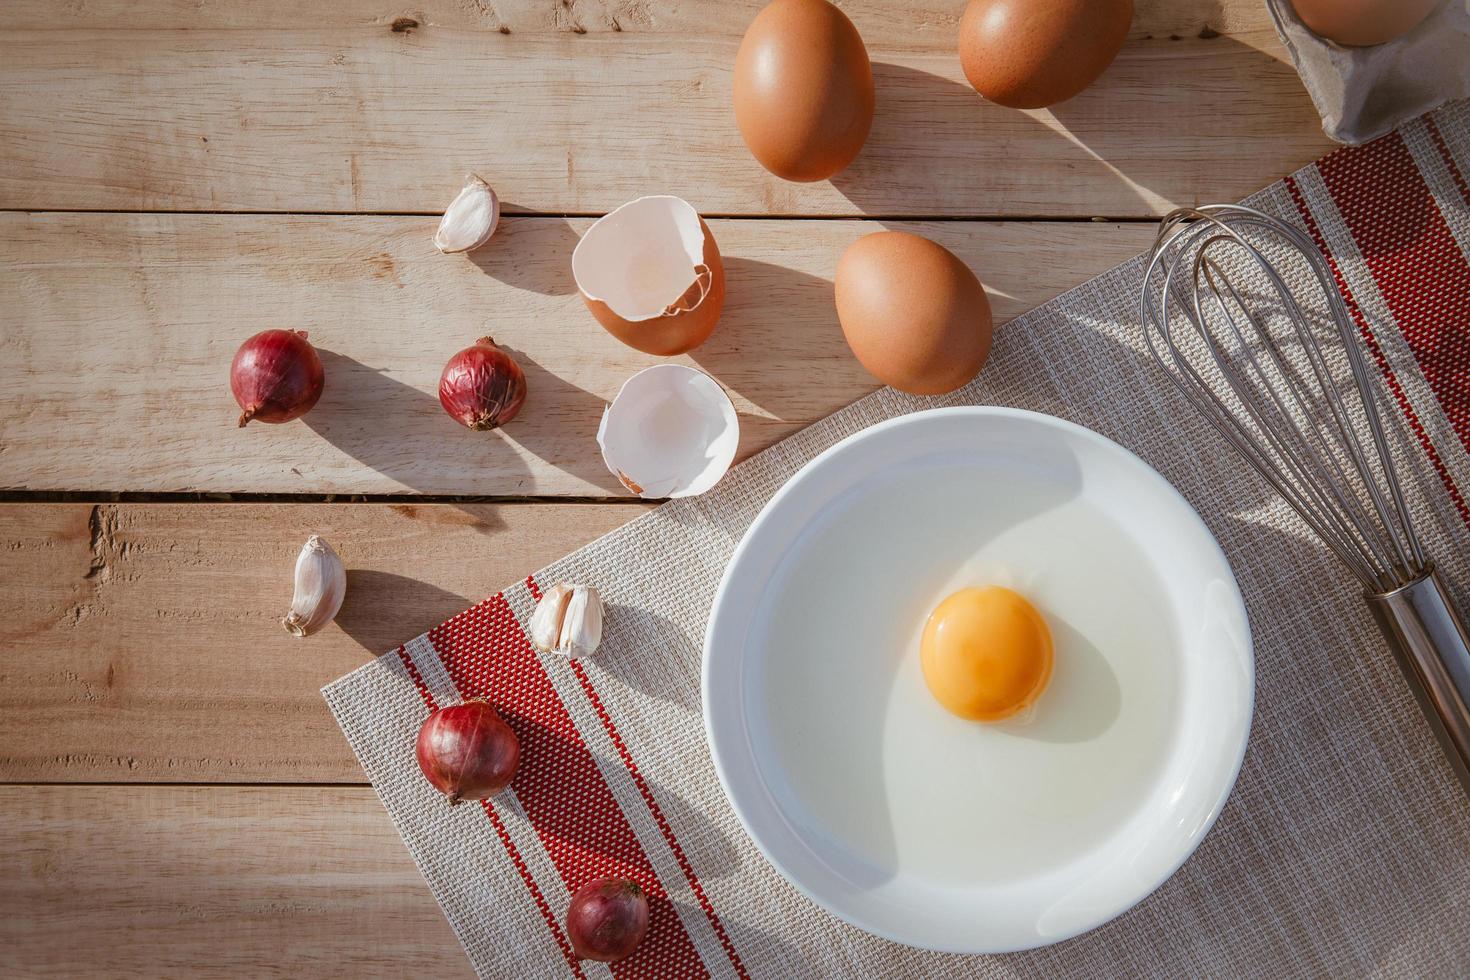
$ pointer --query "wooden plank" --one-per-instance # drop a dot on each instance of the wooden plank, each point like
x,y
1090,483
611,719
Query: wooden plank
x,y
304,108
118,331
932,22
212,882
142,642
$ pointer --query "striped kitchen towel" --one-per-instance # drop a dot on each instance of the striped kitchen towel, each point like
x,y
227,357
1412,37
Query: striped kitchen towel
x,y
1345,848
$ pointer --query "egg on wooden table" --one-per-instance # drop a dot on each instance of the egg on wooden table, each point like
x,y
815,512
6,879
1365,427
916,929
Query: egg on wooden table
x,y
914,314
1027,54
1362,23
803,89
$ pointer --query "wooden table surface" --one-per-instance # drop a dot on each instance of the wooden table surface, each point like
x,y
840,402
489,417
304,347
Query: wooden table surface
x,y
178,174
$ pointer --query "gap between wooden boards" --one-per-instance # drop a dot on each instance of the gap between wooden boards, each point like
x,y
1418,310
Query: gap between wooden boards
x,y
385,310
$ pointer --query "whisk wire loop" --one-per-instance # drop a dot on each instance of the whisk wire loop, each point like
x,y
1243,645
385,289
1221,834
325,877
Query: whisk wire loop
x,y
1278,424
1230,316
1334,432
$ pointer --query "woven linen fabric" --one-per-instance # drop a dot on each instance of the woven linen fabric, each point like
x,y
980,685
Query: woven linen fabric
x,y
1345,847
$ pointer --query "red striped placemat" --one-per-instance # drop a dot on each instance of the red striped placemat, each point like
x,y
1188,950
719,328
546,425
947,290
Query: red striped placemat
x,y
1346,845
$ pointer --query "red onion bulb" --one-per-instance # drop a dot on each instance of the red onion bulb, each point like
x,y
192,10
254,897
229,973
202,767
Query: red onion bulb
x,y
467,751
482,386
276,376
607,919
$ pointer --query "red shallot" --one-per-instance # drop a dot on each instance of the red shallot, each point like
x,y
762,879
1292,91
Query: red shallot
x,y
276,376
482,386
467,751
607,919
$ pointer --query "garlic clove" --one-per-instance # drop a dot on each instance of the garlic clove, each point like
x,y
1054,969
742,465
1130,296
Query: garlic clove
x,y
321,585
547,619
581,627
470,219
568,621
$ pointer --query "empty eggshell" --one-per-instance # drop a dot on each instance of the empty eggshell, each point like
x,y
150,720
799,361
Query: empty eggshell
x,y
670,432
650,272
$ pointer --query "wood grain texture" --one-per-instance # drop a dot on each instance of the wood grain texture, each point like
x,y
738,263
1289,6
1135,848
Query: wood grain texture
x,y
931,22
119,331
142,642
287,107
212,882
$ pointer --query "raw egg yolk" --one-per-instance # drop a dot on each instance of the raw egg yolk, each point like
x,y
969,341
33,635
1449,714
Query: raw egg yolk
x,y
986,653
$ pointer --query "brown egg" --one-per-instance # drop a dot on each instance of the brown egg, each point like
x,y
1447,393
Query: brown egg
x,y
1360,23
1032,53
803,89
912,312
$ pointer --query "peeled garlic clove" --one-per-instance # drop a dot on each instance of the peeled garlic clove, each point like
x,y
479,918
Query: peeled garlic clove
x,y
321,584
568,621
546,620
651,274
471,218
670,432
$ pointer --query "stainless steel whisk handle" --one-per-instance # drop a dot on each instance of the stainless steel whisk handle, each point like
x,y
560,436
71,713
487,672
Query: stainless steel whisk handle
x,y
1433,650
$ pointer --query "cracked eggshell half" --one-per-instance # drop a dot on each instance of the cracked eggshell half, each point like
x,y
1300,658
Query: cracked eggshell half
x,y
670,432
650,272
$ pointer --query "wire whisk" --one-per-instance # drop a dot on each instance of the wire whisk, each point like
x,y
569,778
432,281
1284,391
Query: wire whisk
x,y
1243,313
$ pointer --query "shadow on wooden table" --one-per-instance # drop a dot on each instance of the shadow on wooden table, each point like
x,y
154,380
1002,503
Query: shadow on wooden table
x,y
566,417
762,348
383,609
401,431
945,122
530,253
1172,138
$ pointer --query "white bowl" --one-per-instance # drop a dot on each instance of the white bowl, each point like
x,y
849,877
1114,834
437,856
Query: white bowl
x,y
953,835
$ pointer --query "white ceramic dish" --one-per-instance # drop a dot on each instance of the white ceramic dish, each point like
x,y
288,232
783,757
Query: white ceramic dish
x,y
952,835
